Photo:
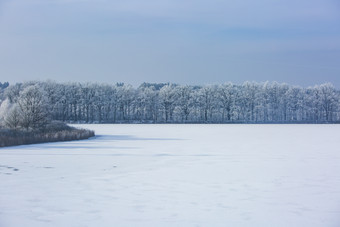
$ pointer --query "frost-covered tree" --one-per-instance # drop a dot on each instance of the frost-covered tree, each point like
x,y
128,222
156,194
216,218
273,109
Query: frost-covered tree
x,y
13,92
6,113
32,104
226,96
13,118
294,95
328,100
249,102
152,104
167,96
184,102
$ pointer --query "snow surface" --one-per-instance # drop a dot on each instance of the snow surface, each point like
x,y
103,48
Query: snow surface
x,y
176,175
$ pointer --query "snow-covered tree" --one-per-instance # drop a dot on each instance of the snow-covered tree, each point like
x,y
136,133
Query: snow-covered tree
x,y
226,97
32,104
164,102
184,102
167,98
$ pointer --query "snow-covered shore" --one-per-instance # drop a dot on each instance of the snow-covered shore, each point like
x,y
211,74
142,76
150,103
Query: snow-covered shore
x,y
176,175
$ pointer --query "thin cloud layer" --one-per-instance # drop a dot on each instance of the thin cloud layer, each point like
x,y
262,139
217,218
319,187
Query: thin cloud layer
x,y
178,41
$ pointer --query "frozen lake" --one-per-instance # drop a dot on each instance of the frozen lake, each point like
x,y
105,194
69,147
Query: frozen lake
x,y
176,175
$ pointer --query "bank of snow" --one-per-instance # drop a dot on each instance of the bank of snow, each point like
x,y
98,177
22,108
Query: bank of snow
x,y
176,175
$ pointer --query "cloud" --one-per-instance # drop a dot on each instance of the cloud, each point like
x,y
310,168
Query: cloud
x,y
236,13
190,14
169,39
230,13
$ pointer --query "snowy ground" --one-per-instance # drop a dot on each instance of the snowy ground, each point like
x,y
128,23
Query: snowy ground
x,y
176,175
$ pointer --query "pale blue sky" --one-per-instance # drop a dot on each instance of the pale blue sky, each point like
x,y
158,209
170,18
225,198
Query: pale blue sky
x,y
181,41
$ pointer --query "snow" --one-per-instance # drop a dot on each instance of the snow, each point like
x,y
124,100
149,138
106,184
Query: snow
x,y
176,175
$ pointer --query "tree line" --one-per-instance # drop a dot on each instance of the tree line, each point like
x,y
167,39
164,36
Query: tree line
x,y
250,102
26,119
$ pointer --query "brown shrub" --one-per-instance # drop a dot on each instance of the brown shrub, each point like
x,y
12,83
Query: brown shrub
x,y
14,137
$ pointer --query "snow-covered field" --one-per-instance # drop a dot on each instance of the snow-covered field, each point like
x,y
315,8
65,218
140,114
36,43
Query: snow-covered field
x,y
176,175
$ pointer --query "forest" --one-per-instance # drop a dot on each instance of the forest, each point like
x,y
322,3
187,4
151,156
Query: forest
x,y
250,102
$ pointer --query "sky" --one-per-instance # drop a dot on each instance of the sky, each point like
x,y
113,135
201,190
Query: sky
x,y
179,41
